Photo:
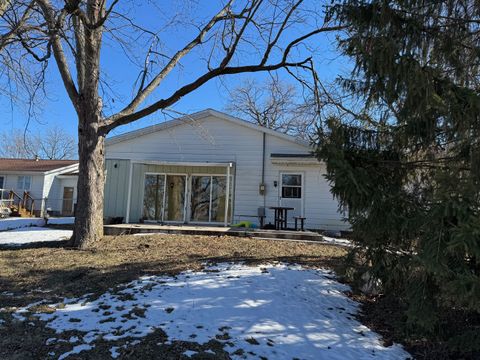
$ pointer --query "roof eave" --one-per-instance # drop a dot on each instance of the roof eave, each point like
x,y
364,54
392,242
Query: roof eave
x,y
62,169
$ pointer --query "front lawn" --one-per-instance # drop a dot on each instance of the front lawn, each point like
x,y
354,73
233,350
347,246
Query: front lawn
x,y
98,303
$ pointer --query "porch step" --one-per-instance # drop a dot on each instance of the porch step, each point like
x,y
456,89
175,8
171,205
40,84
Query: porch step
x,y
19,212
125,229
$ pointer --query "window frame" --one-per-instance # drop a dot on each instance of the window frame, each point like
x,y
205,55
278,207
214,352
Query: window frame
x,y
229,211
21,183
292,188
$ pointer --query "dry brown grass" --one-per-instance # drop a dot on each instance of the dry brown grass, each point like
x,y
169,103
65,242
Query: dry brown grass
x,y
54,273
114,260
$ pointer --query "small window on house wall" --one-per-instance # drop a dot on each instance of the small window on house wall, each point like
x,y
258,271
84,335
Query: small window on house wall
x,y
291,186
2,182
24,182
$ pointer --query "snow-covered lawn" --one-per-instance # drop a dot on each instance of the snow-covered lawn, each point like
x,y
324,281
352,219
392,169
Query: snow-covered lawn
x,y
15,223
20,222
33,235
274,311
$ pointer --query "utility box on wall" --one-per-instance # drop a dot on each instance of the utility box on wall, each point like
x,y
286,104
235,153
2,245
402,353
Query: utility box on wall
x,y
261,189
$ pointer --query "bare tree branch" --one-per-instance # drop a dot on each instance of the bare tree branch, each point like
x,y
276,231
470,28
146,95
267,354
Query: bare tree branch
x,y
127,115
54,26
144,92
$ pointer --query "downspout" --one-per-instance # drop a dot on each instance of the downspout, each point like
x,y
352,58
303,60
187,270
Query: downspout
x,y
263,169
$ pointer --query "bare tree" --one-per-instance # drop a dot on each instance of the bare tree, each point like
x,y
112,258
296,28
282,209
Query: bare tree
x,y
273,104
52,144
24,51
23,57
248,36
55,143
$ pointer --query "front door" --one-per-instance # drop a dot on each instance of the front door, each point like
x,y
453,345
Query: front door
x,y
292,193
67,206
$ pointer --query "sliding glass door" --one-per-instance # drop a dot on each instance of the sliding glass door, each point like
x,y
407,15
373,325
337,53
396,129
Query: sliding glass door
x,y
208,198
175,198
164,197
219,192
200,202
153,197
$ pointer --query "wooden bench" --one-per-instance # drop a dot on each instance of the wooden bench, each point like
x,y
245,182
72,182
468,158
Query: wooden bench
x,y
302,220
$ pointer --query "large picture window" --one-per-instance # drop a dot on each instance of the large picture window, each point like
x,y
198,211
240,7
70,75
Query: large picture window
x,y
291,186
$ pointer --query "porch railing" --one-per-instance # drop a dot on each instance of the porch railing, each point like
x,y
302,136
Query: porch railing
x,y
27,205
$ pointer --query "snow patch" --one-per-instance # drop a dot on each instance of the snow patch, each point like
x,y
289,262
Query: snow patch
x,y
190,353
15,223
114,353
274,311
76,350
339,241
33,235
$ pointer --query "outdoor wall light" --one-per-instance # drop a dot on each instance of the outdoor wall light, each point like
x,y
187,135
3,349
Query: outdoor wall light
x,y
275,183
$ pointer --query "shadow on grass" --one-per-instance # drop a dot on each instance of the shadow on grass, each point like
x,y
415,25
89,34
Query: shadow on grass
x,y
54,272
36,245
55,284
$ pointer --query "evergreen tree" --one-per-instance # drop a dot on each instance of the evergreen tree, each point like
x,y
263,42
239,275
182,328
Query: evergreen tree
x,y
408,175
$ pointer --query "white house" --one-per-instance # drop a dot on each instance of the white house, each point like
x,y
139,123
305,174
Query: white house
x,y
177,171
49,184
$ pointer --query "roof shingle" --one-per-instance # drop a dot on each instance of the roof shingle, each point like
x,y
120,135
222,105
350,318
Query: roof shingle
x,y
32,165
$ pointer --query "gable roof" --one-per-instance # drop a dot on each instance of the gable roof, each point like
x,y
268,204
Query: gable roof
x,y
32,165
198,116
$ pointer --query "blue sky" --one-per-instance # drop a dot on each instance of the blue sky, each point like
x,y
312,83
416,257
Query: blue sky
x,y
56,109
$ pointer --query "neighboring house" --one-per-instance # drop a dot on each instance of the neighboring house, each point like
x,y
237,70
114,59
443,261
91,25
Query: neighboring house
x,y
52,184
176,172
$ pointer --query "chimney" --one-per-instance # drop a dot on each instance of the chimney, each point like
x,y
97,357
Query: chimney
x,y
37,158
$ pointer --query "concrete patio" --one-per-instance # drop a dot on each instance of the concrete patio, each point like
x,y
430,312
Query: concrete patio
x,y
126,229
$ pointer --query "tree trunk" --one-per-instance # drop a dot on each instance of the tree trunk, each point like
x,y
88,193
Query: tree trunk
x,y
91,181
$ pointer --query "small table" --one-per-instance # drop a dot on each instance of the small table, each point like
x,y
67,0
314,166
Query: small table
x,y
281,216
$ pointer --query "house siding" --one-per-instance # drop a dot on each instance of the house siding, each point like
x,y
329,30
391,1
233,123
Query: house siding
x,y
213,139
53,191
116,187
